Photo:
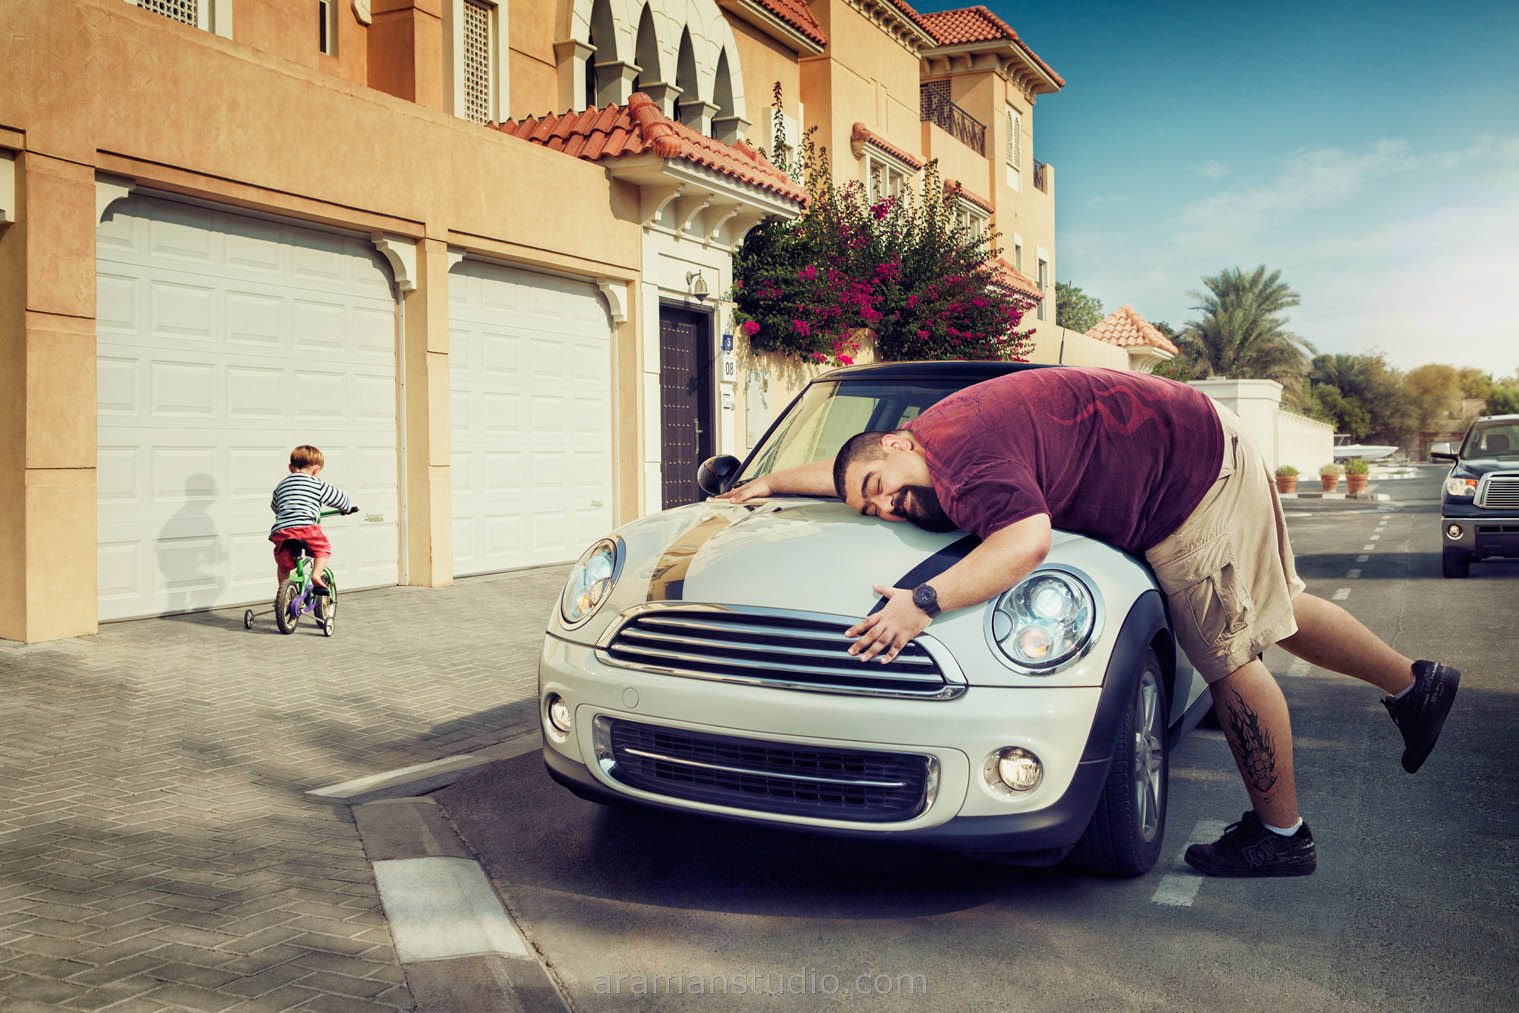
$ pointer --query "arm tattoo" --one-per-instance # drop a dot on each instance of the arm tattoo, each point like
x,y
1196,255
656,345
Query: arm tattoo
x,y
1252,745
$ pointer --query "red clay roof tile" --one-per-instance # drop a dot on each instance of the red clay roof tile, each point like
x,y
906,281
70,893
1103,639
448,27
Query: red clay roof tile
x,y
977,24
1127,329
862,134
638,128
796,14
1009,276
954,188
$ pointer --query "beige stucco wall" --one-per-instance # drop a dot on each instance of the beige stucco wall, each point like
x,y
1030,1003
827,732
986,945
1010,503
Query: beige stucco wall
x,y
1056,345
1306,444
165,106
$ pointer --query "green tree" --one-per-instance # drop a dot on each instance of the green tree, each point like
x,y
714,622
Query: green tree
x,y
1242,332
1475,384
1184,366
1074,309
1503,398
1435,391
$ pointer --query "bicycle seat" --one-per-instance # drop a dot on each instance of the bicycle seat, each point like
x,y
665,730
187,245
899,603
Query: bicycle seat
x,y
294,546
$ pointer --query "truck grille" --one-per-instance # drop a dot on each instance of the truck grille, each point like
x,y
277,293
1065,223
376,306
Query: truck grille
x,y
802,651
857,785
1500,492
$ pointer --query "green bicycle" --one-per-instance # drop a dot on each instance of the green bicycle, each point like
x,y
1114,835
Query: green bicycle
x,y
298,596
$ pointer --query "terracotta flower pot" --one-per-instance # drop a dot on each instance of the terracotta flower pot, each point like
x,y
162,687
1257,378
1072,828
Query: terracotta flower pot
x,y
1286,483
1355,483
1331,482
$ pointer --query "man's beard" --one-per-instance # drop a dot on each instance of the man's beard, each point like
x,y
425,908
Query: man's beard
x,y
920,504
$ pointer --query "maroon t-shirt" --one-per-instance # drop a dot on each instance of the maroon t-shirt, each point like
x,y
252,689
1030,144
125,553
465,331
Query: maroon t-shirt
x,y
1122,457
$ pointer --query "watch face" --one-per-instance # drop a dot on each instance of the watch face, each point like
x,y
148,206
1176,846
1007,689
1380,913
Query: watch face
x,y
924,597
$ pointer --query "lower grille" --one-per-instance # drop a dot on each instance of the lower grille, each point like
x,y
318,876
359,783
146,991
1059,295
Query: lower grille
x,y
857,785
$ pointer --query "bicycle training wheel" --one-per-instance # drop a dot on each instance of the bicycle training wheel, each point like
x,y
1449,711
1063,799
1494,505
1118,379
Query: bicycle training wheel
x,y
247,619
284,615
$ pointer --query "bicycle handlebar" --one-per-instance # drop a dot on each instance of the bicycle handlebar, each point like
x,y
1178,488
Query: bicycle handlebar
x,y
340,513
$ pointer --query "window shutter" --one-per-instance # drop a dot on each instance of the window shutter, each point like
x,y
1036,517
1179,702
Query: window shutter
x,y
184,11
478,62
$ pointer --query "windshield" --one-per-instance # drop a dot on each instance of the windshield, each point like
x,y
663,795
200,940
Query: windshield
x,y
1492,439
829,413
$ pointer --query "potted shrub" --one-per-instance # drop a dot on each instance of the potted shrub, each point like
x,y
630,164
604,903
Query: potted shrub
x,y
1355,475
1329,475
1286,479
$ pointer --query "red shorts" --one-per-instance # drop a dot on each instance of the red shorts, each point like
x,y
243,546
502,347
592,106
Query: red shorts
x,y
312,534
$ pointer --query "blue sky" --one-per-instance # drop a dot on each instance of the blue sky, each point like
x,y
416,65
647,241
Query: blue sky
x,y
1368,150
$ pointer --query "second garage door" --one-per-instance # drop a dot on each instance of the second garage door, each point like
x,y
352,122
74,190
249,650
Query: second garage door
x,y
531,417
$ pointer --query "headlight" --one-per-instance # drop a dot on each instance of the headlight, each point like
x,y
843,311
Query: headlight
x,y
591,581
1047,620
1463,487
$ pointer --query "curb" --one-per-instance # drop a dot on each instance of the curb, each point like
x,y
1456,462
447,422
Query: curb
x,y
458,946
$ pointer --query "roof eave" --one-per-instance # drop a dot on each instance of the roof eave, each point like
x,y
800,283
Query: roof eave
x,y
750,12
1046,82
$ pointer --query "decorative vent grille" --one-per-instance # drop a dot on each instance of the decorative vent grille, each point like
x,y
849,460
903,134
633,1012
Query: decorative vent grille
x,y
477,62
184,11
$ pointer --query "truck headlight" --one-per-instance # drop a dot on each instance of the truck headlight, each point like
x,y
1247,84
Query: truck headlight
x,y
1045,621
1464,488
591,581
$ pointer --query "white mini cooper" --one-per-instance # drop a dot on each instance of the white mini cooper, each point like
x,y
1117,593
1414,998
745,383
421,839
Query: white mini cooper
x,y
696,661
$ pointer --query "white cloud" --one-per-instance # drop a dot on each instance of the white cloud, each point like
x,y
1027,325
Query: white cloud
x,y
1212,169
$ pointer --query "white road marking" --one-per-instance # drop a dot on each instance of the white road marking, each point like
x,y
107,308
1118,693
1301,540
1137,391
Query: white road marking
x,y
1362,559
1298,668
1340,594
1353,573
1179,888
1374,538
1367,548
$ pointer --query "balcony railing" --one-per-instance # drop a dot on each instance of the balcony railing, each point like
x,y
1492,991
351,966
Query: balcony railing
x,y
935,107
1041,181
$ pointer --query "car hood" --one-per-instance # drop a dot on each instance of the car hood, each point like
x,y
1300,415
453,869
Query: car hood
x,y
1473,467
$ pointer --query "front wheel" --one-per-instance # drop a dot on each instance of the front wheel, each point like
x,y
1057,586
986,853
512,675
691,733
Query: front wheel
x,y
285,616
1129,825
1455,563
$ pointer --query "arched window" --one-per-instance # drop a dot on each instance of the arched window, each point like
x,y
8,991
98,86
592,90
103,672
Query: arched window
x,y
599,84
685,79
646,55
724,127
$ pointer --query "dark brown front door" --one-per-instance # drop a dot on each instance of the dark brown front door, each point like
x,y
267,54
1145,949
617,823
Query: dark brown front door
x,y
685,384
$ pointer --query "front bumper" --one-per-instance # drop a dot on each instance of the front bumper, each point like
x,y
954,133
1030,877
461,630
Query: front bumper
x,y
1071,729
1482,533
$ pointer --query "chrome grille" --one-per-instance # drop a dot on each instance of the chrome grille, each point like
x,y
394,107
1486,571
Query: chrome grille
x,y
1500,492
862,786
790,650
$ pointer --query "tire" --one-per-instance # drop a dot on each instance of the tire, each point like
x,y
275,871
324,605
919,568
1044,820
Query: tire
x,y
282,602
1129,824
1454,563
327,626
327,605
247,619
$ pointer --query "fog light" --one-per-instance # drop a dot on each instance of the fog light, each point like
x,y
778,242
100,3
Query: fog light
x,y
559,714
1454,531
1019,769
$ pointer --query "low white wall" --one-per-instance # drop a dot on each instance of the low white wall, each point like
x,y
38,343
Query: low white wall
x,y
1056,345
1284,437
1304,443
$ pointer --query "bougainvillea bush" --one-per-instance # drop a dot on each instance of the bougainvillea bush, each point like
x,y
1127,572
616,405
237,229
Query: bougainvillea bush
x,y
896,267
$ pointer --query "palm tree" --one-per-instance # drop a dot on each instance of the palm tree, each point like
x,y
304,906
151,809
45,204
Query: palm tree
x,y
1243,332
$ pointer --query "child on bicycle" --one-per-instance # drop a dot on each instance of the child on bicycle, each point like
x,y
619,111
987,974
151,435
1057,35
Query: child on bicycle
x,y
297,505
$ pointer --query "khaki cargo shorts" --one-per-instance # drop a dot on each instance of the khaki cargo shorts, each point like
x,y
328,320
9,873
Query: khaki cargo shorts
x,y
1227,572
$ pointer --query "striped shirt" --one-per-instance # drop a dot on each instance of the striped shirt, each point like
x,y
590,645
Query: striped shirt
x,y
299,498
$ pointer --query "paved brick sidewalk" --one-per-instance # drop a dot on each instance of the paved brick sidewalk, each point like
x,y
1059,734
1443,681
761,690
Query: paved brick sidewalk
x,y
156,850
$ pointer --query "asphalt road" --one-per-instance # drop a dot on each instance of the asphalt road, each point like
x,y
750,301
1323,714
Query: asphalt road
x,y
1413,905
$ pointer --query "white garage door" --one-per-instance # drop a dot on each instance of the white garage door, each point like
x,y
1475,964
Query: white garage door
x,y
223,342
529,362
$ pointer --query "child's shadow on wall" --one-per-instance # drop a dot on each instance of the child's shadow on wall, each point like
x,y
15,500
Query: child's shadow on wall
x,y
191,558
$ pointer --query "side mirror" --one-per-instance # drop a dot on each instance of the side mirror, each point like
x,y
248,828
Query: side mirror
x,y
715,474
1441,452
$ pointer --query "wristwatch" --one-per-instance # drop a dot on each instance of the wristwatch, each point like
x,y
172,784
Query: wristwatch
x,y
926,598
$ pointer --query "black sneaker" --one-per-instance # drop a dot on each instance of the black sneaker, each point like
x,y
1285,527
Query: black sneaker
x,y
1420,714
1249,849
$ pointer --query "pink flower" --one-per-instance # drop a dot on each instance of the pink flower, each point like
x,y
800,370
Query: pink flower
x,y
750,328
912,301
801,327
807,273
923,335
